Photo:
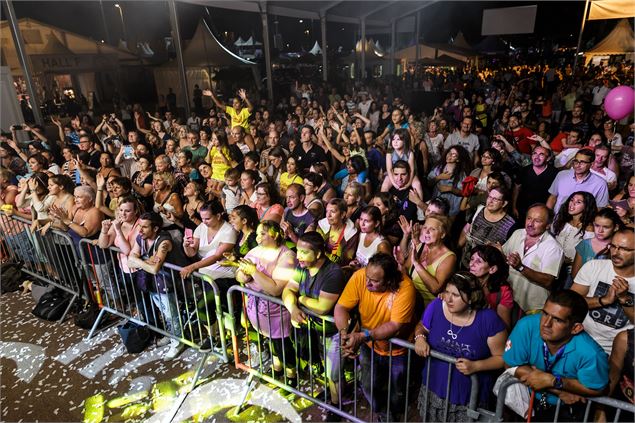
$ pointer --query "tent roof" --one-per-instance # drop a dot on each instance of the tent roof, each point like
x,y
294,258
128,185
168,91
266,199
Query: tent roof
x,y
239,42
204,49
55,46
41,38
316,49
370,48
251,42
611,9
376,13
461,42
620,41
492,45
450,61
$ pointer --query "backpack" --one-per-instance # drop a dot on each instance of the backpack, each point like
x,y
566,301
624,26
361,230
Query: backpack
x,y
134,337
52,305
11,277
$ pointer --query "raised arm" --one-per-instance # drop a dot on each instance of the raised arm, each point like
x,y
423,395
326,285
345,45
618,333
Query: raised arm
x,y
243,95
217,102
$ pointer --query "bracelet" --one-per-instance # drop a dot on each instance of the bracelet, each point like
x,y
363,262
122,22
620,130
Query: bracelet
x,y
100,189
420,336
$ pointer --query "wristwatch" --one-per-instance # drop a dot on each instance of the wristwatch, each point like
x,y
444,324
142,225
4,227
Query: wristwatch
x,y
628,302
558,383
520,268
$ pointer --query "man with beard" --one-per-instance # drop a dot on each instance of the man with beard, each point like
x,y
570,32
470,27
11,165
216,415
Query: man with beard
x,y
533,182
520,135
578,178
316,286
385,301
609,288
297,219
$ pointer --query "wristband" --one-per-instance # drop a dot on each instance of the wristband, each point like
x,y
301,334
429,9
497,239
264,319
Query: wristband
x,y
367,336
600,301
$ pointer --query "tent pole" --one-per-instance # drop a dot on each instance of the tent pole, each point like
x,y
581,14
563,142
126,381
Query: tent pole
x,y
267,45
25,62
324,64
103,21
176,36
393,45
417,29
577,49
363,58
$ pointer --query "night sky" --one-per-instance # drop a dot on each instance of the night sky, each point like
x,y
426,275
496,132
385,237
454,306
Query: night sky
x,y
149,20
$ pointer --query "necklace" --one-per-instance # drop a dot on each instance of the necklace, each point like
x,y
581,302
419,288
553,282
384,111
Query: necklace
x,y
451,332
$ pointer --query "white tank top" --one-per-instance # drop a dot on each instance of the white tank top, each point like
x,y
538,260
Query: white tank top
x,y
365,253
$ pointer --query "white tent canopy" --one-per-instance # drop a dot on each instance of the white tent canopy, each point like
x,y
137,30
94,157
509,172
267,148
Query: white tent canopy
x,y
316,50
239,42
204,49
250,42
620,41
203,53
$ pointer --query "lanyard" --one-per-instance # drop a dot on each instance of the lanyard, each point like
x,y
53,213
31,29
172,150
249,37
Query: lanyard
x,y
545,354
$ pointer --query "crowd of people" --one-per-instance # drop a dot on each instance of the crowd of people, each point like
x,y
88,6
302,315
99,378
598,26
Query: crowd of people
x,y
496,230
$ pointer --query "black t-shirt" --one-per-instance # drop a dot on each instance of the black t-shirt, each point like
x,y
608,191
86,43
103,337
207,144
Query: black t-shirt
x,y
534,188
404,206
329,279
304,159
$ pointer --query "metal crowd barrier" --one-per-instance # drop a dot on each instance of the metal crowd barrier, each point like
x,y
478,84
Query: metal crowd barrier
x,y
187,310
51,258
315,369
604,402
184,309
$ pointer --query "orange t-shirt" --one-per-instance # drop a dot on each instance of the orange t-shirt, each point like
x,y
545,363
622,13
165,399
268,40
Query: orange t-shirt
x,y
377,308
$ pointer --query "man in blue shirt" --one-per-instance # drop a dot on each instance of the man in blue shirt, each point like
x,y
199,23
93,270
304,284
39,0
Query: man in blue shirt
x,y
557,358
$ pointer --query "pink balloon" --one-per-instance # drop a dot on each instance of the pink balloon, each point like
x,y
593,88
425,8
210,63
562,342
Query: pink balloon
x,y
619,102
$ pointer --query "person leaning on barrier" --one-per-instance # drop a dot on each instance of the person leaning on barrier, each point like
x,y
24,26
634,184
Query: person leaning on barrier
x,y
385,299
315,285
151,249
554,356
267,269
460,325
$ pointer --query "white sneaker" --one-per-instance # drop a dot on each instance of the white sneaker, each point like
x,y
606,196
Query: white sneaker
x,y
161,342
175,349
256,357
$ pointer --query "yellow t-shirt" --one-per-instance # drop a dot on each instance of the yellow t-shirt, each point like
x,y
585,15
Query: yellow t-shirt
x,y
219,166
286,180
377,308
239,118
432,269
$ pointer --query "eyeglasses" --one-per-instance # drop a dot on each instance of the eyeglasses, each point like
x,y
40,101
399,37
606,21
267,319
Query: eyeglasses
x,y
577,162
500,200
619,247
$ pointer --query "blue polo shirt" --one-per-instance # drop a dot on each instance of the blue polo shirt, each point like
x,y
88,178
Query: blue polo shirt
x,y
583,359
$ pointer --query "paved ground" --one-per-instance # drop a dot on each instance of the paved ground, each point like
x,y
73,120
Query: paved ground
x,y
49,373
